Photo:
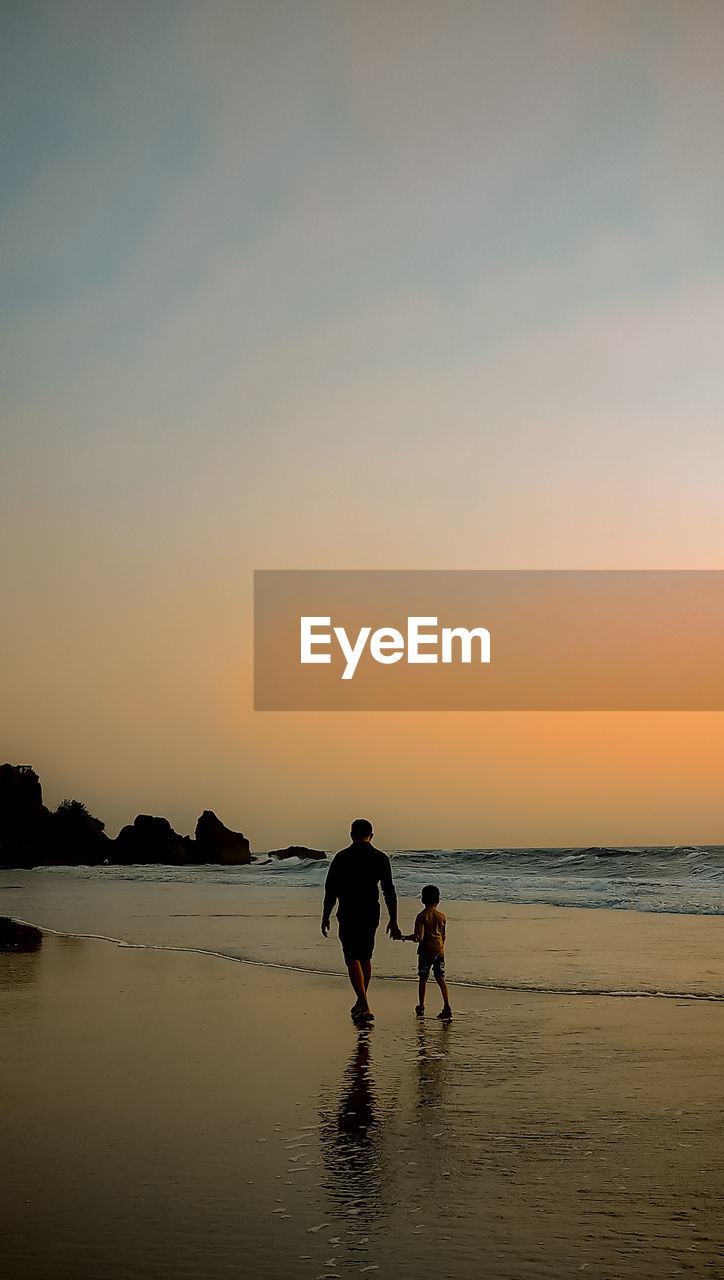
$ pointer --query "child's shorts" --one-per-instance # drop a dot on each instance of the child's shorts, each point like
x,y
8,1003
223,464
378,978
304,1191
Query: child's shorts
x,y
426,963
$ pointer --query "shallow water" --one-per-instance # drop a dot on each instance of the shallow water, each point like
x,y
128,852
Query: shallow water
x,y
514,947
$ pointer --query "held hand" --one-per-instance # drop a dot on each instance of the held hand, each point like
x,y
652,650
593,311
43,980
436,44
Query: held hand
x,y
325,927
394,931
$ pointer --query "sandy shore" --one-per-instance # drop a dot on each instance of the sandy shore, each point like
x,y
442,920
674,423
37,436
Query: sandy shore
x,y
171,1115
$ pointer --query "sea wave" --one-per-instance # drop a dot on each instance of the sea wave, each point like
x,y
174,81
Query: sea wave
x,y
678,879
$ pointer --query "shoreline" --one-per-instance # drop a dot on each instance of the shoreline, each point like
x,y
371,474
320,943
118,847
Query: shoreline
x,y
491,946
379,977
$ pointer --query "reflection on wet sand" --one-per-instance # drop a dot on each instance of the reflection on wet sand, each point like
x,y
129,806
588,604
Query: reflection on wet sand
x,y
18,969
432,1052
20,983
367,1142
432,1114
351,1141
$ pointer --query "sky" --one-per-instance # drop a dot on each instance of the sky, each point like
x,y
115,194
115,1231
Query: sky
x,y
350,285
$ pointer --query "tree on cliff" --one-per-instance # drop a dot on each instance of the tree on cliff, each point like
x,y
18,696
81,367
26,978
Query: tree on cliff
x,y
72,815
77,835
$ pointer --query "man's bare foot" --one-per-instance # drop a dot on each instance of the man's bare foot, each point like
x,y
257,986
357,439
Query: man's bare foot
x,y
446,1014
361,1011
420,1010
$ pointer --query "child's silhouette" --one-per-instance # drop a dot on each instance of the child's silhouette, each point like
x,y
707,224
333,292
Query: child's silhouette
x,y
429,934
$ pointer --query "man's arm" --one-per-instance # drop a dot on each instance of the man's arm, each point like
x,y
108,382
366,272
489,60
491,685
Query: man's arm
x,y
390,896
330,897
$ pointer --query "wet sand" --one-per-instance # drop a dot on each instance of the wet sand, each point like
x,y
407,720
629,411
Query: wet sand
x,y
169,1115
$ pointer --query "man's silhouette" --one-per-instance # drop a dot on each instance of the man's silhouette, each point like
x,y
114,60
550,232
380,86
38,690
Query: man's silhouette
x,y
353,881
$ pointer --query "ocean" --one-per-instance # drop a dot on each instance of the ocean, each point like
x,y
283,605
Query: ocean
x,y
659,878
687,879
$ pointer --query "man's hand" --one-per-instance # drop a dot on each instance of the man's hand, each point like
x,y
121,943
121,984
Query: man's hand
x,y
394,931
325,926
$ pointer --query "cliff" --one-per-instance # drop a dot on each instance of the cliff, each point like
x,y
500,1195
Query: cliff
x,y
32,836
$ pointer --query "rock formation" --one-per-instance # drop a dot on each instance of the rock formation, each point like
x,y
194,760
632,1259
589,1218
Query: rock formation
x,y
18,937
32,836
78,839
153,840
216,843
297,851
24,820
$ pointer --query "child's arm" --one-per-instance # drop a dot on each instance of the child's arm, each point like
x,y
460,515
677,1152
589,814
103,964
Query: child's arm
x,y
416,935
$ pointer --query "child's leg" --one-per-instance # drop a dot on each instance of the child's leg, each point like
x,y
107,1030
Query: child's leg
x,y
443,988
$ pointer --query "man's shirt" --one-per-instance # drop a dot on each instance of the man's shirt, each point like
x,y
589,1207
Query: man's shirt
x,y
354,879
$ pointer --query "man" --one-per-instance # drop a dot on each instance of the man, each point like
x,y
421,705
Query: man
x,y
353,881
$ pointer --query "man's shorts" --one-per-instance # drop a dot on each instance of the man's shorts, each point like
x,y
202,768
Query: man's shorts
x,y
358,940
426,963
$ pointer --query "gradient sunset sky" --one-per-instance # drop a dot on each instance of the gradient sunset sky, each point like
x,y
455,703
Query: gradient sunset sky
x,y
350,285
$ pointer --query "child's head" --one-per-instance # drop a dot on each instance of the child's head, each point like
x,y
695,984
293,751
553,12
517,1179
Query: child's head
x,y
430,895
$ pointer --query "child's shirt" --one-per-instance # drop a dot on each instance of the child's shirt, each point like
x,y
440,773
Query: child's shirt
x,y
430,932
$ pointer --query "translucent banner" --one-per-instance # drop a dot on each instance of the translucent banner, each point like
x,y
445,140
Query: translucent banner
x,y
496,640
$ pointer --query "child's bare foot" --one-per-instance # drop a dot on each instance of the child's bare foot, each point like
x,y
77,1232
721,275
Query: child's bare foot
x,y
420,1010
446,1014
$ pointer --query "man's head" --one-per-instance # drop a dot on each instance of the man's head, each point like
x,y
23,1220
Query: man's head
x,y
430,895
361,830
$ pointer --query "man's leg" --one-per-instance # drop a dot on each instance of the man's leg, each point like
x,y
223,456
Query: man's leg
x,y
355,970
367,972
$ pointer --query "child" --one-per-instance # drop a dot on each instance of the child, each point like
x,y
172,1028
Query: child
x,y
430,936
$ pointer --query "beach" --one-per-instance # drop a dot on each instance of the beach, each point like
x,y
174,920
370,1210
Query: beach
x,y
169,1113
362,481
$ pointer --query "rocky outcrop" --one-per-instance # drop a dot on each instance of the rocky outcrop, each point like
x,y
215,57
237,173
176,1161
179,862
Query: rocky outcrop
x,y
151,839
18,937
216,843
297,851
21,794
24,820
32,836
78,839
